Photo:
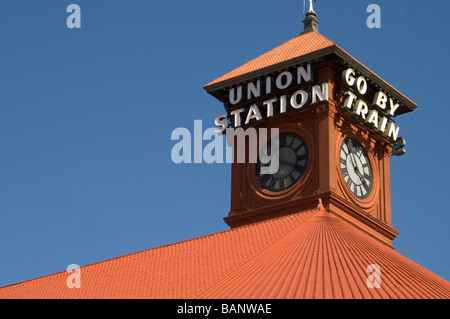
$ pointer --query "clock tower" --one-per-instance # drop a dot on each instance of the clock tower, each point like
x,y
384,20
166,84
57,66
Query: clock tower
x,y
335,134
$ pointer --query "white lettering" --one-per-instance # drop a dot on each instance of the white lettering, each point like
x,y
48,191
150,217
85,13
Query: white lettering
x,y
186,309
394,106
372,118
284,80
269,105
383,124
348,77
361,85
246,308
348,102
392,131
321,93
254,90
361,108
253,113
283,104
380,100
268,85
306,75
236,97
303,99
220,121
237,116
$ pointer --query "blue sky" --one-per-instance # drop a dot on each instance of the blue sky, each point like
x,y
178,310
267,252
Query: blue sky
x,y
86,117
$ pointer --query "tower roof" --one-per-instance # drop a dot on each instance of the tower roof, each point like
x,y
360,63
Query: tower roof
x,y
297,47
311,254
307,47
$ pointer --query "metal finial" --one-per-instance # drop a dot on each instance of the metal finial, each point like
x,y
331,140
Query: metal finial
x,y
311,9
310,23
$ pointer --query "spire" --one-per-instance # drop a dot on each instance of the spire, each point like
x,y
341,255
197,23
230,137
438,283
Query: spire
x,y
311,23
310,6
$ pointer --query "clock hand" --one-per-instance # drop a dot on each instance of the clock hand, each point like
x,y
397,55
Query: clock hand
x,y
358,173
282,162
353,161
351,151
349,146
286,163
361,177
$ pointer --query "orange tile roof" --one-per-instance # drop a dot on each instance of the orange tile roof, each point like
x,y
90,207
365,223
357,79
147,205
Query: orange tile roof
x,y
298,46
312,254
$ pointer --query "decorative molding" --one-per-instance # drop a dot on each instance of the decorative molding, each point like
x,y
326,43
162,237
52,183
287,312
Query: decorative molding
x,y
365,218
320,109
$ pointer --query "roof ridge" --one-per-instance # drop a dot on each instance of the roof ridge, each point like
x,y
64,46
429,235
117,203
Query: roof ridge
x,y
233,273
352,251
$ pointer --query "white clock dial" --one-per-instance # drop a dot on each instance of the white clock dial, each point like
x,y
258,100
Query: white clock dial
x,y
356,169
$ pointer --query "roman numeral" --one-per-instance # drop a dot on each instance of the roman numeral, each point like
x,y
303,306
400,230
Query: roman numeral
x,y
302,157
344,171
359,152
301,150
299,169
295,175
291,139
275,182
352,187
299,146
364,188
269,180
287,181
263,179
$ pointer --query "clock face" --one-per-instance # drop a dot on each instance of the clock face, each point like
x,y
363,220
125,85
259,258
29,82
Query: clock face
x,y
356,169
293,158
